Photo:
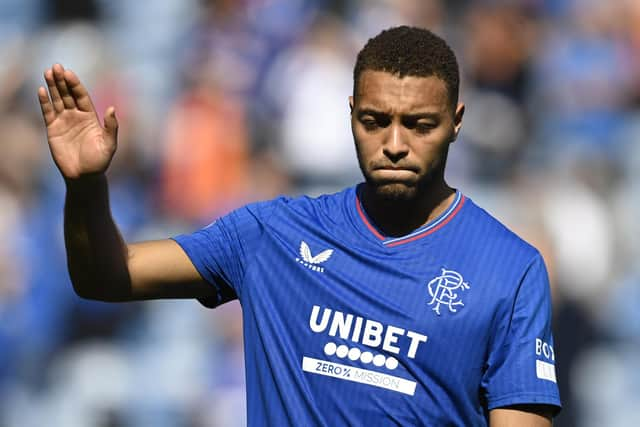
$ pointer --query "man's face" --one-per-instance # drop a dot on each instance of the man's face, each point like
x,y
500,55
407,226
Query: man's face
x,y
402,129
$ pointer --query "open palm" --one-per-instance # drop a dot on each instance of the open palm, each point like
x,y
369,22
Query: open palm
x,y
79,144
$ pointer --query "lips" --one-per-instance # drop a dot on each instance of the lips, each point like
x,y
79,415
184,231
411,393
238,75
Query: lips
x,y
394,175
395,168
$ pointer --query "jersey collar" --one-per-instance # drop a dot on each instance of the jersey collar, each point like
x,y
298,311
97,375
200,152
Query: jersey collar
x,y
427,229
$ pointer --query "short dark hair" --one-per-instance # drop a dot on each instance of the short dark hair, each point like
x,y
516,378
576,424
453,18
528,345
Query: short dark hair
x,y
410,51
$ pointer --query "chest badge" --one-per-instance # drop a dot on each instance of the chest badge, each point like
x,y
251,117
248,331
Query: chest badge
x,y
310,261
444,290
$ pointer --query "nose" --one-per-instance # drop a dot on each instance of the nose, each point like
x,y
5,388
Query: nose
x,y
395,147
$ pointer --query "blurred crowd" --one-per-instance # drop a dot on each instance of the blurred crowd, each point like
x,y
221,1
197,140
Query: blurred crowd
x,y
222,102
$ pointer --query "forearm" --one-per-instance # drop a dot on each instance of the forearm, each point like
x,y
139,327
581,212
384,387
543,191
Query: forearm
x,y
100,264
96,253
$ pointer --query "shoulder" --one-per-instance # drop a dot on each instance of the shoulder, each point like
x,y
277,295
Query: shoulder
x,y
287,209
320,205
488,235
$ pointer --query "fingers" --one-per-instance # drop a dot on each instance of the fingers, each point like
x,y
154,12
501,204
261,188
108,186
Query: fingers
x,y
66,90
61,84
46,106
56,100
110,122
78,91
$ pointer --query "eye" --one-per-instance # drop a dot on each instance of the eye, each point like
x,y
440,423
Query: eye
x,y
372,122
420,124
369,123
422,127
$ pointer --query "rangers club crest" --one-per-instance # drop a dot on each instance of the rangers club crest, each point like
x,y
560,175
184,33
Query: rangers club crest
x,y
444,290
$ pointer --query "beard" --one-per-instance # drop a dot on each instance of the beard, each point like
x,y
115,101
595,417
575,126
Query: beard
x,y
400,191
391,191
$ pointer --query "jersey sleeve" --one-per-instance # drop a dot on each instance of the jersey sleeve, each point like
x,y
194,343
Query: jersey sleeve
x,y
521,362
223,250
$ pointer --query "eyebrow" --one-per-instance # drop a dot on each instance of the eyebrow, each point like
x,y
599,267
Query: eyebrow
x,y
422,115
370,111
411,116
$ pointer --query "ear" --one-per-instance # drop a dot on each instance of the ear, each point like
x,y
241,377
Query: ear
x,y
457,120
351,103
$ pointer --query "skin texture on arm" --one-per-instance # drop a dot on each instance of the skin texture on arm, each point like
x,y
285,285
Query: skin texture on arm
x,y
101,265
161,269
521,416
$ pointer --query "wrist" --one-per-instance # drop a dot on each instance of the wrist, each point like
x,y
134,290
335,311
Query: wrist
x,y
86,184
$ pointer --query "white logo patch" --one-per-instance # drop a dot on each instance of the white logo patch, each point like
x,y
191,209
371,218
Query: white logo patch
x,y
310,261
443,290
545,370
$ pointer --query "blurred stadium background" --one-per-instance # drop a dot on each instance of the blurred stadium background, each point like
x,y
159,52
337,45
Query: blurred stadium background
x,y
222,102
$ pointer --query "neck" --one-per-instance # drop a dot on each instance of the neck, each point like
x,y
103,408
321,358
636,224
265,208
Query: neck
x,y
399,217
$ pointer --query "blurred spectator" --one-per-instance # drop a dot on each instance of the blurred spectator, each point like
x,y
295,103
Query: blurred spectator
x,y
499,43
310,84
498,46
19,19
583,239
372,16
206,160
69,10
583,81
630,33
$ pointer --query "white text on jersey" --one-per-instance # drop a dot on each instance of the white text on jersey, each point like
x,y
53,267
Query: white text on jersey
x,y
366,331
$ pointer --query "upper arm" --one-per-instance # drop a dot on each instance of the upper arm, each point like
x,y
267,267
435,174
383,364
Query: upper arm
x,y
208,264
161,269
521,416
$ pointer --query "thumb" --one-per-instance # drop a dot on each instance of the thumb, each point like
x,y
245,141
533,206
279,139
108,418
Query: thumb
x,y
110,122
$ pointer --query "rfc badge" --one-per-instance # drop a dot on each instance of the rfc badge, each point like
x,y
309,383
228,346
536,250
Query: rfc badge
x,y
444,290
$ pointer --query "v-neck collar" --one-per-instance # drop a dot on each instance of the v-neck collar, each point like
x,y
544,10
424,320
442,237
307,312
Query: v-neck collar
x,y
427,229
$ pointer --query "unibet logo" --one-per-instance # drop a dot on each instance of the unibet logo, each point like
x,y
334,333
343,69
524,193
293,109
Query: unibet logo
x,y
366,331
310,261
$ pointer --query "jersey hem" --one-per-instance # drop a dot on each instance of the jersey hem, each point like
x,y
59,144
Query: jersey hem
x,y
525,399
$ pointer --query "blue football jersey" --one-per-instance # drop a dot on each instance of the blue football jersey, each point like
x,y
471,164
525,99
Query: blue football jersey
x,y
344,326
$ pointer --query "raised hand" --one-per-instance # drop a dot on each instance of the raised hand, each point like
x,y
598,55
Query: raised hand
x,y
79,144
